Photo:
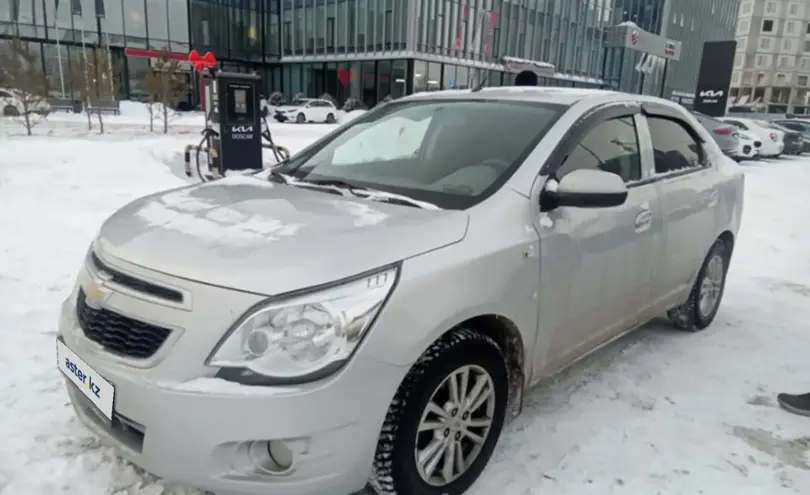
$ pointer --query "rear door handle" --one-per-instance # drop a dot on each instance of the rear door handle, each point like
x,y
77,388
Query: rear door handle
x,y
643,220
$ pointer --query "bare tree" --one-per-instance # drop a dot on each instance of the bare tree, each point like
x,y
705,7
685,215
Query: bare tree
x,y
95,80
166,86
150,86
21,72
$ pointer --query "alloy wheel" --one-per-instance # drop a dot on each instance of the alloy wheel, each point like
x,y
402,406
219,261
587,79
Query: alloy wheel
x,y
711,286
455,425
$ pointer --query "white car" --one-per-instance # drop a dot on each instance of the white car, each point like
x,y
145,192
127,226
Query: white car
x,y
749,148
12,104
307,110
773,140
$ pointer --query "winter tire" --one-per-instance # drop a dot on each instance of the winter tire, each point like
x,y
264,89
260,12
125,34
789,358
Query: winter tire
x,y
445,420
301,118
699,310
11,111
330,119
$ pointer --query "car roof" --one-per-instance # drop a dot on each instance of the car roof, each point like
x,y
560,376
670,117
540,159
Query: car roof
x,y
564,96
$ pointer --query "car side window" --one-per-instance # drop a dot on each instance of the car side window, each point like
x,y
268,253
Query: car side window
x,y
611,146
674,147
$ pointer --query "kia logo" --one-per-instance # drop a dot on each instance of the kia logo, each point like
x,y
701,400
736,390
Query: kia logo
x,y
710,93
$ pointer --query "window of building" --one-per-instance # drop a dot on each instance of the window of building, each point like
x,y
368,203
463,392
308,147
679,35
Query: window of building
x,y
781,79
801,80
673,146
790,27
738,60
807,46
612,146
743,26
745,8
807,28
763,61
735,78
794,9
788,45
771,7
765,43
805,63
781,62
767,26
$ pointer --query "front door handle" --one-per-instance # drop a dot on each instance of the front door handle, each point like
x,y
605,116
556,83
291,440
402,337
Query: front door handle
x,y
643,220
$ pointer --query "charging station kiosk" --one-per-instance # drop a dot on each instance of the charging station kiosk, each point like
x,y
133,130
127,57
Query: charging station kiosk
x,y
233,138
239,116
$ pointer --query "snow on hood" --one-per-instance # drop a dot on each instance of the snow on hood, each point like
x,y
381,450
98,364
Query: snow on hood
x,y
257,236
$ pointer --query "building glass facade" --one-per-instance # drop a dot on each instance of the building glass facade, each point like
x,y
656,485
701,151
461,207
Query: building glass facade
x,y
370,49
61,36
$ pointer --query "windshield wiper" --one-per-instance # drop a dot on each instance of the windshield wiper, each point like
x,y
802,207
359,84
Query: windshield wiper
x,y
336,183
396,199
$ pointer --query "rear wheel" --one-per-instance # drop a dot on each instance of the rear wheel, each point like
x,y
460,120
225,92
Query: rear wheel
x,y
445,420
699,310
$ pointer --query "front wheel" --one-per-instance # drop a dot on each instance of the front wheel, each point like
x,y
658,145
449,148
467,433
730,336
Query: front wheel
x,y
699,310
301,118
446,418
11,111
330,119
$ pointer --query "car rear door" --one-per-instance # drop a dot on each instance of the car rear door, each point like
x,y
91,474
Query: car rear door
x,y
596,264
682,166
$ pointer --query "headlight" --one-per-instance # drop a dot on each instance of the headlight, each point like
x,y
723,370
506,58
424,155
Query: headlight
x,y
302,338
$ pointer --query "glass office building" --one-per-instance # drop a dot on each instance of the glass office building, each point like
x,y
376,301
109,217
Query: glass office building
x,y
61,34
372,48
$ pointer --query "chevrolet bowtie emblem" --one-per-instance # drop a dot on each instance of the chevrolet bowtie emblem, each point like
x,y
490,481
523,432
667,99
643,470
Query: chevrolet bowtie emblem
x,y
95,294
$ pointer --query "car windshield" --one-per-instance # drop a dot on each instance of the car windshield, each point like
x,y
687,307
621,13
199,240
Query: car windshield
x,y
300,102
452,154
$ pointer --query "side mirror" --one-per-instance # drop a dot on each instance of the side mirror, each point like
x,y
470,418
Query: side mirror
x,y
586,188
265,112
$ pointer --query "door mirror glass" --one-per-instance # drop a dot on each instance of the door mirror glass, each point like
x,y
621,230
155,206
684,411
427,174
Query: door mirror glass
x,y
588,188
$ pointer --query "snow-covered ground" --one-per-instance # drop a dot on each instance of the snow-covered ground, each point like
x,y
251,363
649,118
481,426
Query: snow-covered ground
x,y
661,412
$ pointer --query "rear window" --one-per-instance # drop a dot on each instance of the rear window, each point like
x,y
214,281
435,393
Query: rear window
x,y
709,123
450,153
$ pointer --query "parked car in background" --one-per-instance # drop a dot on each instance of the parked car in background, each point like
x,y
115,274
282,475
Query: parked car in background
x,y
307,110
800,125
724,134
773,144
749,146
793,139
12,103
380,315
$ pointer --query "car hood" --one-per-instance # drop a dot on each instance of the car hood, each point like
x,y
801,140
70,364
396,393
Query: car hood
x,y
256,236
287,108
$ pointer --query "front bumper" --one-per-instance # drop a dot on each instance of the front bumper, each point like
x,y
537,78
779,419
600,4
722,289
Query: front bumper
x,y
203,432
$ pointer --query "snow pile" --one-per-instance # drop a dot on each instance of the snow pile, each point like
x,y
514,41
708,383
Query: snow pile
x,y
689,413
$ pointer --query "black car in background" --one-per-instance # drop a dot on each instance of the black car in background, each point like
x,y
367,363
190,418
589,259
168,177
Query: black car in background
x,y
798,125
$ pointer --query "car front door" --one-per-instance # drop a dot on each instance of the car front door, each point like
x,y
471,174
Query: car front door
x,y
682,166
596,264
